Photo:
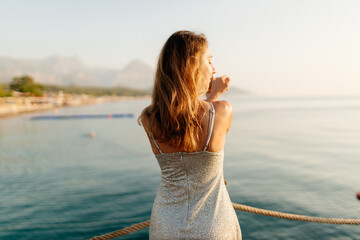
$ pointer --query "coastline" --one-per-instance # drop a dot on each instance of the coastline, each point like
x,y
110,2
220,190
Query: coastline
x,y
16,106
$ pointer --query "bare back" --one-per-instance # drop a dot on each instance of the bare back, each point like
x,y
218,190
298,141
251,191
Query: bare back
x,y
221,125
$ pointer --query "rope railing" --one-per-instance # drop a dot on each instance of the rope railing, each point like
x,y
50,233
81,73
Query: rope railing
x,y
295,217
244,208
123,231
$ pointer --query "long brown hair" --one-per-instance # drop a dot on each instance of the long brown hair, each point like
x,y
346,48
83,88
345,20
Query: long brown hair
x,y
173,115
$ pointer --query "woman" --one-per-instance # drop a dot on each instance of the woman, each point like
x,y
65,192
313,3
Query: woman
x,y
187,136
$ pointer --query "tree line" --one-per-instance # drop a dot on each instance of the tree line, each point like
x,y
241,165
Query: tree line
x,y
26,84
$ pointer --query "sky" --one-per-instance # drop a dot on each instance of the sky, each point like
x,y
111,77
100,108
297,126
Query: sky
x,y
267,47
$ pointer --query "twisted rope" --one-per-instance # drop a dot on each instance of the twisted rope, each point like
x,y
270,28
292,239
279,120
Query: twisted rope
x,y
123,231
295,217
244,208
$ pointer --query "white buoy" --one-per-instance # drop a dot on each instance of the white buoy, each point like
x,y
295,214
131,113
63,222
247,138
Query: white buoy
x,y
92,134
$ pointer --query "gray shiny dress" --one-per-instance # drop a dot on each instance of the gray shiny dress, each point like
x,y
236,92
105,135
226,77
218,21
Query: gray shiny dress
x,y
192,201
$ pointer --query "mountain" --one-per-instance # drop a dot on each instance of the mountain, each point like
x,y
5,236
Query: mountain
x,y
135,74
71,71
59,70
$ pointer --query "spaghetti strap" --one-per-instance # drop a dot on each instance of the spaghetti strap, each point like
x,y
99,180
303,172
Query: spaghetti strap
x,y
157,146
211,125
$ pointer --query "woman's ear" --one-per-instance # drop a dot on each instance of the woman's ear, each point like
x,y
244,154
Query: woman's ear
x,y
195,62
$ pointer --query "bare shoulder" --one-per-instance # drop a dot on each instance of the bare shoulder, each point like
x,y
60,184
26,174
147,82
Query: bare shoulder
x,y
143,122
223,115
223,108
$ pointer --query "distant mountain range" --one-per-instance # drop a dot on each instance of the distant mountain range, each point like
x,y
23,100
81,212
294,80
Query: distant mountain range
x,y
70,71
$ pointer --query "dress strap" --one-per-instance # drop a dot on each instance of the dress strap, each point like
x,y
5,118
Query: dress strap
x,y
157,146
211,124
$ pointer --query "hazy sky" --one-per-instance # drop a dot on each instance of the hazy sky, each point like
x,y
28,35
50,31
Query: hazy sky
x,y
270,47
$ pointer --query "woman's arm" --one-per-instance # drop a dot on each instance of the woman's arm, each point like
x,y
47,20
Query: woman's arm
x,y
217,87
222,124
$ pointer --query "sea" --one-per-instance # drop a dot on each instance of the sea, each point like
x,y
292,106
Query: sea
x,y
295,155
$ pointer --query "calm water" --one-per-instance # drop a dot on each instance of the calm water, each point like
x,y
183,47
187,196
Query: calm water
x,y
293,155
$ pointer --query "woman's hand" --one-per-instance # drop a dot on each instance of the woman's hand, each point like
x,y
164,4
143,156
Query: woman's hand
x,y
217,87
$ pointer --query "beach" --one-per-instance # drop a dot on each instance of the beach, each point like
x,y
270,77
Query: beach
x,y
13,106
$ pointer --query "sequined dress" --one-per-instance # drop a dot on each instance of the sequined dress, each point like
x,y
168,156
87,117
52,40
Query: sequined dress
x,y
192,201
